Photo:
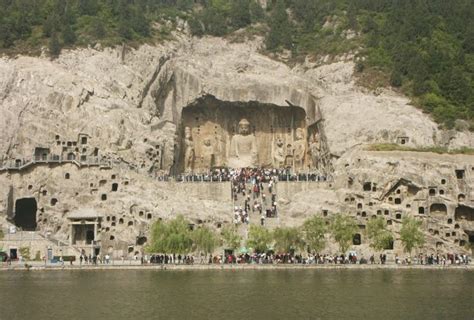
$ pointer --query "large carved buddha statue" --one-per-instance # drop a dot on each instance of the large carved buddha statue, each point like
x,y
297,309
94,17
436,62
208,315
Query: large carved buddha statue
x,y
243,147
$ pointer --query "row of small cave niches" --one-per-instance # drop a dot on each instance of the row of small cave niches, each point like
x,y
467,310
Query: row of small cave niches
x,y
112,221
114,188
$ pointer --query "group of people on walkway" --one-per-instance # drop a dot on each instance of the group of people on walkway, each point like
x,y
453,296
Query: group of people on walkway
x,y
228,174
253,191
96,259
424,259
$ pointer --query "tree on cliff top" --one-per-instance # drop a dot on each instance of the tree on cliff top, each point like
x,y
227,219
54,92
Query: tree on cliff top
x,y
280,28
54,46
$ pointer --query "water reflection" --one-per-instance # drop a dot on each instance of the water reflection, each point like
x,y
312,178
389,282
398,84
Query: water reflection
x,y
231,294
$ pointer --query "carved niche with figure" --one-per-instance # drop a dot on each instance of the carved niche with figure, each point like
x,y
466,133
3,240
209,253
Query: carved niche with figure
x,y
189,152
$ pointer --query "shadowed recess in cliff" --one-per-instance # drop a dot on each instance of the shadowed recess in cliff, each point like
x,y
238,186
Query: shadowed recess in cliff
x,y
25,214
217,134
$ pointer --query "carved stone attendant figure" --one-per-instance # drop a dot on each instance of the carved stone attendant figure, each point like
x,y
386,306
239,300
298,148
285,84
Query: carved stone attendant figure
x,y
207,157
189,154
299,149
278,153
314,149
243,147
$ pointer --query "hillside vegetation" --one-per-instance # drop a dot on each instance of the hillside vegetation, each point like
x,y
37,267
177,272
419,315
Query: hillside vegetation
x,y
423,47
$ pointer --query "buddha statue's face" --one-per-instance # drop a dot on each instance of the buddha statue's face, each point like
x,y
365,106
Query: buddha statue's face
x,y
187,132
279,142
207,142
299,134
244,127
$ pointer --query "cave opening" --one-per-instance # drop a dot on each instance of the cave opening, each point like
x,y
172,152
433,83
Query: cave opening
x,y
141,241
438,209
25,214
357,239
464,213
222,134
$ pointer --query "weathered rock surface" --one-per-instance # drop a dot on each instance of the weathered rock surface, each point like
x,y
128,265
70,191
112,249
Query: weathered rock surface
x,y
128,103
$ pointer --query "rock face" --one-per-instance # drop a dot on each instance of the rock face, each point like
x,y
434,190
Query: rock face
x,y
94,128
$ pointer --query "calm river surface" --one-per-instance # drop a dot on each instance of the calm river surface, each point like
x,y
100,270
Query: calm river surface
x,y
230,294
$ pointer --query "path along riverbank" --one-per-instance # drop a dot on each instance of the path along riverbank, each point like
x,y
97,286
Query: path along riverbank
x,y
236,267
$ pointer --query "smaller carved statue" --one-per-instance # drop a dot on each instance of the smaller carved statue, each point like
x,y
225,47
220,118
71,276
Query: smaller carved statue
x,y
189,153
207,157
299,147
289,156
278,153
315,149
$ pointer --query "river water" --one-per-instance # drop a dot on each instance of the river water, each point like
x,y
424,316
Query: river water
x,y
237,294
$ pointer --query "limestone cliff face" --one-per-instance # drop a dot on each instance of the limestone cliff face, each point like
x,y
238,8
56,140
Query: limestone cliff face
x,y
127,104
122,96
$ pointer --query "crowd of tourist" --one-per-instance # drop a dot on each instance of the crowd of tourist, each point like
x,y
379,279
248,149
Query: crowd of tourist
x,y
310,259
253,192
269,258
448,259
227,174
96,259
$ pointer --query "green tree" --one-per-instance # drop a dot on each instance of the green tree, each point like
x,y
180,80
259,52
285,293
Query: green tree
x,y
240,13
215,21
231,238
256,11
314,230
279,35
377,232
69,37
204,240
179,236
288,239
196,27
259,239
343,229
88,7
54,46
173,236
98,28
411,235
125,29
25,253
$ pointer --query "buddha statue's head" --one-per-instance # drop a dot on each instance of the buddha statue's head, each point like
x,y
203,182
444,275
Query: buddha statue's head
x,y
187,133
207,142
244,127
299,134
279,142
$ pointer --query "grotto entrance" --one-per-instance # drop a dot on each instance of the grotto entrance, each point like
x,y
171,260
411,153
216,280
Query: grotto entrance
x,y
464,213
222,134
83,227
25,214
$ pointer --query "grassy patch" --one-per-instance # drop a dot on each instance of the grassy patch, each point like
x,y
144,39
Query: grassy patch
x,y
433,149
373,78
247,34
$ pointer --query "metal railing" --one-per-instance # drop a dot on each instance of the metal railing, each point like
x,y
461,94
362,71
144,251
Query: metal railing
x,y
22,164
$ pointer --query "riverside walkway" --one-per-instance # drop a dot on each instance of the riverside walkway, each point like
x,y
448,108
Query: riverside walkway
x,y
136,265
